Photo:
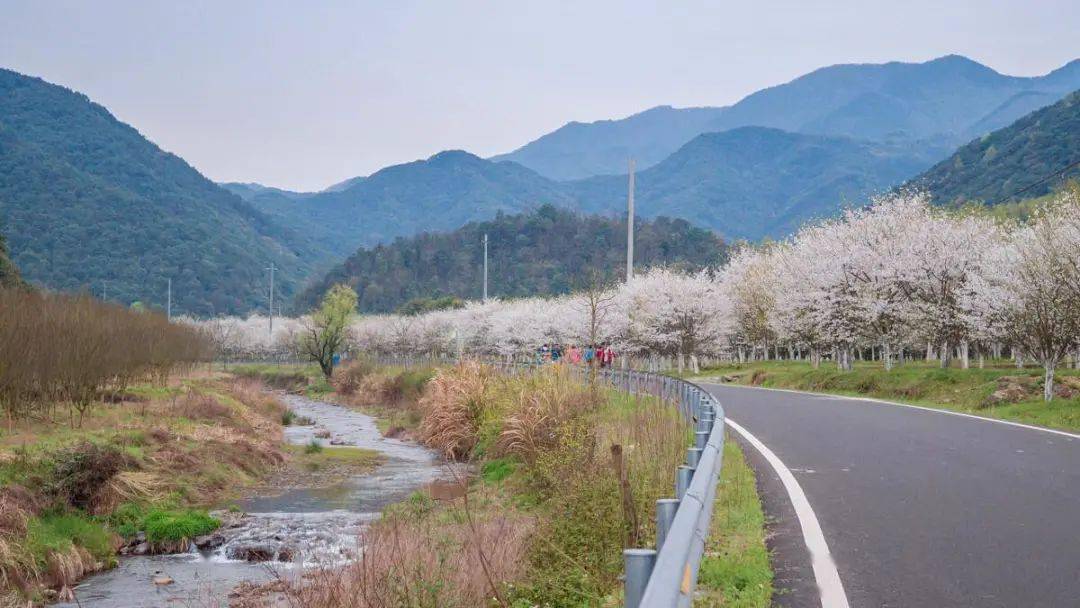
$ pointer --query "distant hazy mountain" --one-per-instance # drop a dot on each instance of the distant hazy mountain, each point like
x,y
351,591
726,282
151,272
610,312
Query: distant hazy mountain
x,y
249,190
345,184
943,103
440,193
85,200
578,150
546,251
753,181
993,168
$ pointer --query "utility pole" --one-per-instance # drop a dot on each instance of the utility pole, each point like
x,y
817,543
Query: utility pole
x,y
630,226
271,268
168,302
485,266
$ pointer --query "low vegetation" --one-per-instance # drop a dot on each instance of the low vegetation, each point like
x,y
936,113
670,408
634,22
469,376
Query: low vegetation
x,y
546,519
142,467
999,390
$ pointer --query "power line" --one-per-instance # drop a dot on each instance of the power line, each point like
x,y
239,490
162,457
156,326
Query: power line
x,y
1044,179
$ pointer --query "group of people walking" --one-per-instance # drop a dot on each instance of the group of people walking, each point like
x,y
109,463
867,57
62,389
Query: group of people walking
x,y
601,356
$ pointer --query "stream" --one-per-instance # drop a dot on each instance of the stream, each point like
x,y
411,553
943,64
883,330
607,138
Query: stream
x,y
301,526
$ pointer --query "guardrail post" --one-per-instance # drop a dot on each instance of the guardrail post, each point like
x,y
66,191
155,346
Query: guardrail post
x,y
693,457
700,439
683,476
665,514
639,566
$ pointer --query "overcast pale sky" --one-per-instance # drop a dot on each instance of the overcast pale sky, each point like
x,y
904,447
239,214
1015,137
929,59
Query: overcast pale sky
x,y
303,94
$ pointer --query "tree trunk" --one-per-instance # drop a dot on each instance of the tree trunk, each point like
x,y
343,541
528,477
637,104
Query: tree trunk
x,y
1048,380
945,354
929,351
886,356
1018,357
815,358
965,362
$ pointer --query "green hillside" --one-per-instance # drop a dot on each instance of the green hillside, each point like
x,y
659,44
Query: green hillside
x,y
88,203
1029,158
442,192
546,251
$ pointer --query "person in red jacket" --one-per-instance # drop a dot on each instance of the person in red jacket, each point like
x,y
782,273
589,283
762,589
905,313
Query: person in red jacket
x,y
600,355
609,356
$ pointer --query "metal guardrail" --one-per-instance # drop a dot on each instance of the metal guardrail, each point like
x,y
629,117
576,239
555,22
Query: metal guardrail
x,y
664,577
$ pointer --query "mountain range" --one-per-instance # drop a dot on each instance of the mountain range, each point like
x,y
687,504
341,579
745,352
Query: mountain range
x,y
89,203
940,103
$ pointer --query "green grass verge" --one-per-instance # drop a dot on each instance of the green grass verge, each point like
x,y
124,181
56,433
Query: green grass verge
x,y
162,525
59,532
962,390
735,571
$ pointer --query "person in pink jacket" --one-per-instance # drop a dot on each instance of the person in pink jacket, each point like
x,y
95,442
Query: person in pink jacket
x,y
573,355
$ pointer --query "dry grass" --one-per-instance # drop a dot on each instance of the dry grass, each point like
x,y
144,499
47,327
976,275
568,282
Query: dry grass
x,y
423,564
538,409
453,408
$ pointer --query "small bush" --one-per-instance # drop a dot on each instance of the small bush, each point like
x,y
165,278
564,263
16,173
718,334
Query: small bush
x,y
166,526
453,407
349,378
494,471
313,447
81,471
196,406
287,417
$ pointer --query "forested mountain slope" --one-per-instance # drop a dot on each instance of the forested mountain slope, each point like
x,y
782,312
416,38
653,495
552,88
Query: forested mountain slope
x,y
1027,159
939,103
545,251
442,192
754,182
86,200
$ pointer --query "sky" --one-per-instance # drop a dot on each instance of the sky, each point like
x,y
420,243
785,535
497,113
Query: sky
x,y
301,95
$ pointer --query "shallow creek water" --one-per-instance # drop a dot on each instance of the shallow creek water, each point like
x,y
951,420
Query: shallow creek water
x,y
319,525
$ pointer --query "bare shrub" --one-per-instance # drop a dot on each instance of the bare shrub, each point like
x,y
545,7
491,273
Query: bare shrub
x,y
349,378
76,350
197,406
82,470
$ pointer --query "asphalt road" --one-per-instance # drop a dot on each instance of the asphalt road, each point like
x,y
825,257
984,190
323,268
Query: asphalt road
x,y
918,508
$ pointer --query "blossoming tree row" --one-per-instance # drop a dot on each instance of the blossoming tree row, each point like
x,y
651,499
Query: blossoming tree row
x,y
891,281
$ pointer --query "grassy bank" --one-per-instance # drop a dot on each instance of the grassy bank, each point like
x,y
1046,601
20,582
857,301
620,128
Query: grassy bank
x,y
998,391
564,478
144,465
735,572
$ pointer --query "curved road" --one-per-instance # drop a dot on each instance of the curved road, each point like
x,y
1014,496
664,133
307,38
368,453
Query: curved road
x,y
919,508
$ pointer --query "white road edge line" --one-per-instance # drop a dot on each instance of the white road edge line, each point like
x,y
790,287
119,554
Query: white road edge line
x,y
825,572
914,407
